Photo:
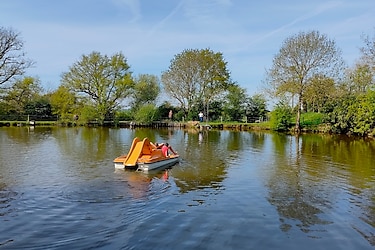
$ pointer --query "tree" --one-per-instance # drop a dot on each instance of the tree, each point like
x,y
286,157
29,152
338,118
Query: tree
x,y
234,106
196,76
12,58
256,106
104,80
22,92
364,110
360,79
64,103
146,113
281,116
368,51
166,107
301,58
38,109
319,93
146,90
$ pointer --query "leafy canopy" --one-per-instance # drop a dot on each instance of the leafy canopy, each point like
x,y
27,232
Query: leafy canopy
x,y
196,76
300,60
104,80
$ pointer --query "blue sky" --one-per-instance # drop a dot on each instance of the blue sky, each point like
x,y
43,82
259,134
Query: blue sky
x,y
151,32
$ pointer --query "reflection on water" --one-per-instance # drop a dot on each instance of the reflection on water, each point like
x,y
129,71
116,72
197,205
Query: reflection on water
x,y
316,174
59,189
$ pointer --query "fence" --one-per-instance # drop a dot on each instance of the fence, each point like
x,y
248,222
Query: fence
x,y
16,117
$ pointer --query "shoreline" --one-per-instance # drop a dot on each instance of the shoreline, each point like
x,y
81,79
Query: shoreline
x,y
317,129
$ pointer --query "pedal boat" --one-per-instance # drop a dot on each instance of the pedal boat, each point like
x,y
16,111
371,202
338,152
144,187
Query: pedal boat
x,y
143,156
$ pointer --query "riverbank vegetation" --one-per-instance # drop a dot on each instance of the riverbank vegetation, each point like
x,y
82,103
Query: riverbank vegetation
x,y
308,86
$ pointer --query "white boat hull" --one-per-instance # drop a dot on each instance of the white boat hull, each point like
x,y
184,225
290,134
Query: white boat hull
x,y
119,165
159,164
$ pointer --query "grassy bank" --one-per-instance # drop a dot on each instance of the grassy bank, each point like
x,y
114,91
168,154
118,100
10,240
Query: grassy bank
x,y
310,122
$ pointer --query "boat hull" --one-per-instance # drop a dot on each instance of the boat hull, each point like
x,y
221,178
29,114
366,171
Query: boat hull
x,y
147,166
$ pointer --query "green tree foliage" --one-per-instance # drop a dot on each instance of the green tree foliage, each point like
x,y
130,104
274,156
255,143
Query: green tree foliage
x,y
340,117
13,61
354,114
234,104
104,80
364,118
237,105
146,90
320,92
89,113
124,115
301,58
359,79
164,109
21,93
196,76
216,109
256,106
64,104
3,111
281,117
309,119
146,114
38,109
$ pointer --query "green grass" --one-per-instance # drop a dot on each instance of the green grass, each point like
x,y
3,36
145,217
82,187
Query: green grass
x,y
261,125
311,119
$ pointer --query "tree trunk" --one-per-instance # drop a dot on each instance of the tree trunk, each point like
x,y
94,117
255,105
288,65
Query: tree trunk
x,y
297,127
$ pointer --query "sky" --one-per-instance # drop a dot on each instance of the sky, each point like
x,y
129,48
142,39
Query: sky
x,y
150,33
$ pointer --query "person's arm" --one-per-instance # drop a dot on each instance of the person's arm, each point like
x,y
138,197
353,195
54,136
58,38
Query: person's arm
x,y
172,150
153,145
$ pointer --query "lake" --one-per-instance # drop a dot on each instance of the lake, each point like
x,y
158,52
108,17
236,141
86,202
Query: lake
x,y
232,190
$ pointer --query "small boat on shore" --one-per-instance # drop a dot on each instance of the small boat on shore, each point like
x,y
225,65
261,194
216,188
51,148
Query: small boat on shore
x,y
143,156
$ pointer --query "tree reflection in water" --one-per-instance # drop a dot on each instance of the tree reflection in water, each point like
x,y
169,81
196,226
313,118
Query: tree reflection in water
x,y
289,190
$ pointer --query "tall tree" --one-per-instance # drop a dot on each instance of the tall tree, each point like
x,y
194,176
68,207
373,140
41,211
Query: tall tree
x,y
22,92
104,80
256,106
64,103
301,58
146,90
368,51
320,91
38,108
196,76
360,79
12,57
235,101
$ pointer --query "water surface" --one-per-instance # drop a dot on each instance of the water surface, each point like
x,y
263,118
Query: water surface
x,y
231,190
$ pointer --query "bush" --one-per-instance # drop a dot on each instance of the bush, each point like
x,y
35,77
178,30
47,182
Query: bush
x,y
281,117
88,113
311,119
124,115
146,114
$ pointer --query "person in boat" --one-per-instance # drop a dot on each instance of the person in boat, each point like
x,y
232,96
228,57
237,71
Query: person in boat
x,y
166,148
157,145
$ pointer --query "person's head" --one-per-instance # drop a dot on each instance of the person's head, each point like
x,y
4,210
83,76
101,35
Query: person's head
x,y
167,144
157,144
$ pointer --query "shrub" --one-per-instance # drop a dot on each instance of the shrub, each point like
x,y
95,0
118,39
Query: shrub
x,y
146,114
281,117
